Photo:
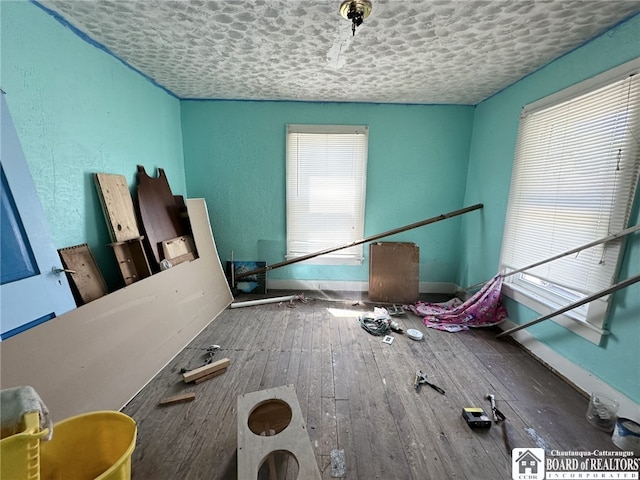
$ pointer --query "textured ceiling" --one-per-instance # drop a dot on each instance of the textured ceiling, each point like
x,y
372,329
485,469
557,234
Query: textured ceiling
x,y
419,51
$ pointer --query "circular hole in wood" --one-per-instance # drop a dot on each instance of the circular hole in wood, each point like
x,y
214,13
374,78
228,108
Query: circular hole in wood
x,y
280,464
270,417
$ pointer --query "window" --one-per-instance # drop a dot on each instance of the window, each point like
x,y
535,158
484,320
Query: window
x,y
326,181
575,175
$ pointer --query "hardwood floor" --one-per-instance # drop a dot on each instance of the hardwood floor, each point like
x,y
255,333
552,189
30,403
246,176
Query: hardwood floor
x,y
357,395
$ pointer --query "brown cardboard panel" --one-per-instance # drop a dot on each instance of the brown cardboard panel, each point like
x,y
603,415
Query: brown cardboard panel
x,y
394,272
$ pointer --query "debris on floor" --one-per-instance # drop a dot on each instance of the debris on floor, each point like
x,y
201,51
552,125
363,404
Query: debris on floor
x,y
183,397
338,464
206,372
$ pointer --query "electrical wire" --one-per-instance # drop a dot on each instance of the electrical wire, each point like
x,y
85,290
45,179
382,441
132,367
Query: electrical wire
x,y
375,326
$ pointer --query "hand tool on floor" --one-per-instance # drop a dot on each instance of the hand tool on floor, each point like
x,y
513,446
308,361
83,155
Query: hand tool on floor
x,y
498,417
497,414
476,417
421,379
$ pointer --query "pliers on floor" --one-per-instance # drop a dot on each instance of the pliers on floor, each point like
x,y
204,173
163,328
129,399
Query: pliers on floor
x,y
421,379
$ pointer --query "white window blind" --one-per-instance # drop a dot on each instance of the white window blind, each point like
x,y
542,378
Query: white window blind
x,y
326,187
575,175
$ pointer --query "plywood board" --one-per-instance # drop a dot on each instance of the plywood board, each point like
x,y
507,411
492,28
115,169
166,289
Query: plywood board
x,y
89,359
179,249
279,411
117,206
393,272
205,370
86,277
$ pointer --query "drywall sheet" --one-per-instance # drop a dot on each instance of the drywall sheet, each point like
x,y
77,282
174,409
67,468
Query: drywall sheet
x,y
100,355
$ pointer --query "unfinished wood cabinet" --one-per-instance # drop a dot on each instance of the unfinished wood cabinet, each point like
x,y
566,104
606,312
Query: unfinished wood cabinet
x,y
132,260
120,215
394,272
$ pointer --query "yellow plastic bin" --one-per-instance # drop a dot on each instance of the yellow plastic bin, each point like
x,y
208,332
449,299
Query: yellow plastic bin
x,y
20,452
91,446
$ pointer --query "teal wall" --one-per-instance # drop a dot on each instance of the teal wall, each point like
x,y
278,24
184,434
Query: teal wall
x,y
490,164
235,158
78,111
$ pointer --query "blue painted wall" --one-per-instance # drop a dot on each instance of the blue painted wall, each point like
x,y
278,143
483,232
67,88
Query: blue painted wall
x,y
79,111
490,164
235,158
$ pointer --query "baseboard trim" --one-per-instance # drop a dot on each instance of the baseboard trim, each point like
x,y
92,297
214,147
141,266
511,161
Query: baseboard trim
x,y
581,379
353,286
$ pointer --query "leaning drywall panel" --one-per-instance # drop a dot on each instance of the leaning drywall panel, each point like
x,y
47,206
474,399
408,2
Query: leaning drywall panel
x,y
100,355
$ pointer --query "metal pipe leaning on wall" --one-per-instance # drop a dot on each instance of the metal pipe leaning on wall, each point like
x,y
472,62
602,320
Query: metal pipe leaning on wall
x,y
388,233
571,306
609,238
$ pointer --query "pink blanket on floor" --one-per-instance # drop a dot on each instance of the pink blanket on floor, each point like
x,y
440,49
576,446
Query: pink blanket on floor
x,y
483,309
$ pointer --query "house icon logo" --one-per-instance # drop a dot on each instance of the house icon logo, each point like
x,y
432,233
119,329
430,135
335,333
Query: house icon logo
x,y
527,464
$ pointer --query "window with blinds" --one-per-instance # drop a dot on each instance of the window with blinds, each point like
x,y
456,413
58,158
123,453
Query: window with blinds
x,y
575,175
326,187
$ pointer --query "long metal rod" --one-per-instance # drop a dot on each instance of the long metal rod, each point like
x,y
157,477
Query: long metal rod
x,y
444,216
571,306
609,238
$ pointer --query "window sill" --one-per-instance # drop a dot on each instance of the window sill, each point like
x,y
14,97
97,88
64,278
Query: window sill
x,y
328,260
544,307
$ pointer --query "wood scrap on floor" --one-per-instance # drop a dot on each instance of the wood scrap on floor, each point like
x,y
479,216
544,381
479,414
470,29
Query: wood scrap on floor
x,y
205,370
210,376
180,398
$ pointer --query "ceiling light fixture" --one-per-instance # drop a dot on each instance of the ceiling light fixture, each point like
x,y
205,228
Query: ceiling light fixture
x,y
356,11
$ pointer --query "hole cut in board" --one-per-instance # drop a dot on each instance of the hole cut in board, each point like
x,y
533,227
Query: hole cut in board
x,y
270,417
279,465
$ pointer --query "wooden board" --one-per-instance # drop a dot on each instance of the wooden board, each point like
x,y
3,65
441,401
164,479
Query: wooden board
x,y
87,279
205,370
393,272
182,397
179,249
285,418
117,206
132,260
159,211
198,381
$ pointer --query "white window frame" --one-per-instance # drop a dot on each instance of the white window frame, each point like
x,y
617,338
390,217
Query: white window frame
x,y
326,191
530,287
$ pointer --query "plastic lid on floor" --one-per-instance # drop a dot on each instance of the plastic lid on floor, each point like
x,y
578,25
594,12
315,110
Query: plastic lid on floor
x,y
414,334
